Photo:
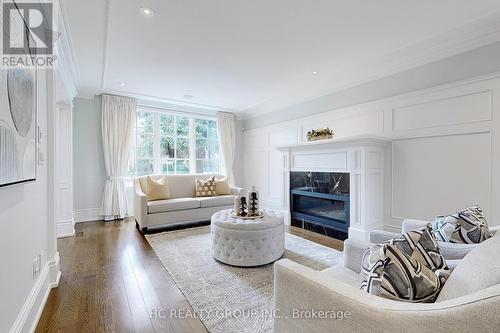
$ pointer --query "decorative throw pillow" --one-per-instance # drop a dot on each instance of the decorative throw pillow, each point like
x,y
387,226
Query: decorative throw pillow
x,y
222,186
468,226
157,189
205,188
408,268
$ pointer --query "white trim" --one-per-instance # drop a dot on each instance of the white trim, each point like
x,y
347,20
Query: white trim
x,y
107,11
175,112
65,228
32,309
66,60
88,215
158,99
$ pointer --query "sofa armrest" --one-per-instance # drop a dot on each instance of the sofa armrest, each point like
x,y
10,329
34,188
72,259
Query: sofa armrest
x,y
495,230
140,205
298,291
380,236
353,254
454,251
236,190
412,224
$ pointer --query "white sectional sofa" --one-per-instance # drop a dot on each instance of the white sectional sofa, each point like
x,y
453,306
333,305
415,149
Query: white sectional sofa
x,y
182,206
468,302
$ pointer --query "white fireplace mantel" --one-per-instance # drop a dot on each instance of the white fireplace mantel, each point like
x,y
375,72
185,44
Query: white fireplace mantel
x,y
363,158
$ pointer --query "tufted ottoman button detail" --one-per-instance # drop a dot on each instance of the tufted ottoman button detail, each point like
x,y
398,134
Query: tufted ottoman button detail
x,y
247,243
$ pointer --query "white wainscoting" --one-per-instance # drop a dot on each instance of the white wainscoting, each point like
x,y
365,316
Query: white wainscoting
x,y
445,151
64,170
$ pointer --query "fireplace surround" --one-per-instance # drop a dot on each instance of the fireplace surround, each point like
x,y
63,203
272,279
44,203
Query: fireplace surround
x,y
362,158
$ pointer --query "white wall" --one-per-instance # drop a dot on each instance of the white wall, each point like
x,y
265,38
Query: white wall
x,y
27,231
89,171
445,153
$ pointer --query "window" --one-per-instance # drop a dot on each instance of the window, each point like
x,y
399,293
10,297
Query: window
x,y
171,143
207,146
144,143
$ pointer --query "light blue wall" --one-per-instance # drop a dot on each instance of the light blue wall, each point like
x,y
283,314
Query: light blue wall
x,y
89,171
477,62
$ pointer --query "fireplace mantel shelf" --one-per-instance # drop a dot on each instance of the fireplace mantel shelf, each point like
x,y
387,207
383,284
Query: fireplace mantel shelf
x,y
342,142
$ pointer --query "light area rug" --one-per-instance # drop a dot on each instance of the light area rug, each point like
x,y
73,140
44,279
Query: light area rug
x,y
227,298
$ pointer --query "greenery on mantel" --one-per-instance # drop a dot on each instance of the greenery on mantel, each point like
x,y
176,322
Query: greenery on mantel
x,y
320,134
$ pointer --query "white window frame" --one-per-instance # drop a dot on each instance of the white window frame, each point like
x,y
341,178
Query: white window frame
x,y
157,137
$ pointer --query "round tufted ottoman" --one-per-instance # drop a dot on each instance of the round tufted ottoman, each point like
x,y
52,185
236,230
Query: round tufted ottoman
x,y
241,242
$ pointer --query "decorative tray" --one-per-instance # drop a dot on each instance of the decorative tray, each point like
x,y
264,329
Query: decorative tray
x,y
261,215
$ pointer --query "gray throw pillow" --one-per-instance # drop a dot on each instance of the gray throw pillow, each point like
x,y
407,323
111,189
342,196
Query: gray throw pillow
x,y
407,268
468,226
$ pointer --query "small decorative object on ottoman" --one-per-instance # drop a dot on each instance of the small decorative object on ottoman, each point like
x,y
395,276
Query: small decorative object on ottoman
x,y
253,202
247,242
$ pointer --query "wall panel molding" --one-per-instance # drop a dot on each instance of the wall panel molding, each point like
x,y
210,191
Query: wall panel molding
x,y
455,123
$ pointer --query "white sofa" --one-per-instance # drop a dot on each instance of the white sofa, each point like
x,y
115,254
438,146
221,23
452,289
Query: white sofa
x,y
468,302
450,251
182,206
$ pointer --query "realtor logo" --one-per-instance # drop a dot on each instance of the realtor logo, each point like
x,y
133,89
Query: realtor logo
x,y
28,36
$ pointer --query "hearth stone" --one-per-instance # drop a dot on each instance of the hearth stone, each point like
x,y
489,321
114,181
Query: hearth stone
x,y
319,229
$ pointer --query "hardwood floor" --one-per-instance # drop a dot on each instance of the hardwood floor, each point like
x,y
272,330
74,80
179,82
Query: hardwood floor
x,y
112,281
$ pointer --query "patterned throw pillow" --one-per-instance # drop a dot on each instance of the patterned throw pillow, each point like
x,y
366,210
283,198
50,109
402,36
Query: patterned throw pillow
x,y
408,268
468,226
205,188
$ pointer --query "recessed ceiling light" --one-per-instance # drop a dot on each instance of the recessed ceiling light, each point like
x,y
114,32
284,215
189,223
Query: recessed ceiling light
x,y
122,84
146,11
315,73
188,96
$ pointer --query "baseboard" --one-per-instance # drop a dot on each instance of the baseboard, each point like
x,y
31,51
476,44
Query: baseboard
x,y
65,228
88,214
30,313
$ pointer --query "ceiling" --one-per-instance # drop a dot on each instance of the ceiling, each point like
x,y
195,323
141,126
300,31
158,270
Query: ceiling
x,y
253,57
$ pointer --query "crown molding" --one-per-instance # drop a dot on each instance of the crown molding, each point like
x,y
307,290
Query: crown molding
x,y
172,102
66,61
467,37
107,14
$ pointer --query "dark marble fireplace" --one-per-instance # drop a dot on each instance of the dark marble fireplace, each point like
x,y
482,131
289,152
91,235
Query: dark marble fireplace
x,y
319,202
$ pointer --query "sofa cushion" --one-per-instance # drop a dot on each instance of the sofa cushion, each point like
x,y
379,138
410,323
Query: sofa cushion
x,y
340,273
205,188
220,200
180,186
406,268
170,205
479,270
468,226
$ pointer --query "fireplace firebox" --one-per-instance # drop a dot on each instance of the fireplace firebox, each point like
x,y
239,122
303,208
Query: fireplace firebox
x,y
319,202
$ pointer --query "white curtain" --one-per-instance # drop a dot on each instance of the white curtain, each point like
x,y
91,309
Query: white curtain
x,y
227,138
118,118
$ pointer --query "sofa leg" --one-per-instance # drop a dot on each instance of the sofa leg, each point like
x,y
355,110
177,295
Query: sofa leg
x,y
142,230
